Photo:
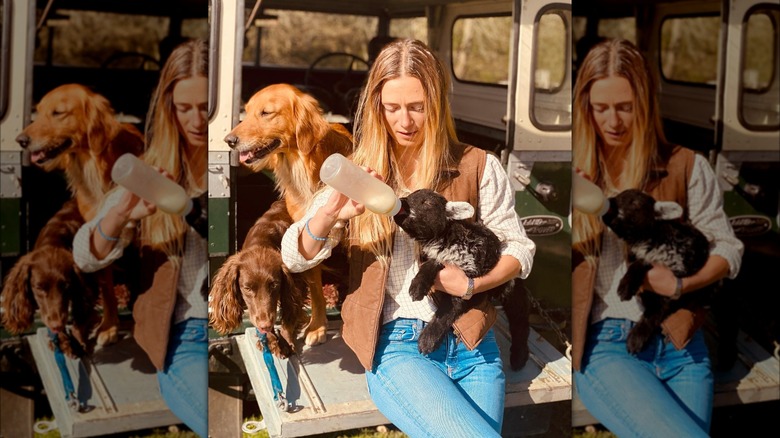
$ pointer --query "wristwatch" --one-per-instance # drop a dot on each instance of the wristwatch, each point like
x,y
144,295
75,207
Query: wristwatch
x,y
469,290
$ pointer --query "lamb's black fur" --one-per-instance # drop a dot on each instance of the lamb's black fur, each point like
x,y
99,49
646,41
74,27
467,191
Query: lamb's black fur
x,y
445,237
654,234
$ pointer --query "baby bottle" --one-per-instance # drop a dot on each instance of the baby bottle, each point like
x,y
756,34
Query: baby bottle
x,y
357,184
146,182
588,197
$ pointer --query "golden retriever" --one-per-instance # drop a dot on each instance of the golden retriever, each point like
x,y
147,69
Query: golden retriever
x,y
76,132
284,131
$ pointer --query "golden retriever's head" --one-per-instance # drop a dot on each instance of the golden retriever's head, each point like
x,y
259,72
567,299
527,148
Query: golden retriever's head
x,y
279,119
71,119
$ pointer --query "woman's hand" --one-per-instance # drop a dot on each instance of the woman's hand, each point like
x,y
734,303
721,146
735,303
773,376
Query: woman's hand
x,y
131,207
661,280
340,208
451,280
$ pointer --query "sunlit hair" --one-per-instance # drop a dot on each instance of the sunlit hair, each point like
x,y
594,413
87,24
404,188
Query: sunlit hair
x,y
166,145
613,57
374,143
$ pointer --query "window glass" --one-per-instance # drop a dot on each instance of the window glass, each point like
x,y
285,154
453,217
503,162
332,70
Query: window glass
x,y
416,28
689,49
623,28
480,49
274,47
95,39
759,105
552,85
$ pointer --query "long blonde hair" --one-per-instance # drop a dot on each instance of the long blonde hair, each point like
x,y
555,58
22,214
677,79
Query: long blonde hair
x,y
166,145
613,57
374,143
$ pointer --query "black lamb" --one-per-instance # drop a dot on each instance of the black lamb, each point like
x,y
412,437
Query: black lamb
x,y
654,233
444,236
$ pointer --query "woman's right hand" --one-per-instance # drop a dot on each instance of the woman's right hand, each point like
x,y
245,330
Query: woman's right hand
x,y
339,207
131,207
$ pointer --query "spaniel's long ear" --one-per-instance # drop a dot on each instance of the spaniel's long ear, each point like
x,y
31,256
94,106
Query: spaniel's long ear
x,y
310,126
292,297
17,300
224,299
100,123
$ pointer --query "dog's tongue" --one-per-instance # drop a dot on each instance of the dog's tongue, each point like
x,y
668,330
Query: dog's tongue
x,y
245,156
37,156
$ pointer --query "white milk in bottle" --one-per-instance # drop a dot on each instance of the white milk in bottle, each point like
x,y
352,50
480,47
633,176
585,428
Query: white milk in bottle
x,y
357,184
138,177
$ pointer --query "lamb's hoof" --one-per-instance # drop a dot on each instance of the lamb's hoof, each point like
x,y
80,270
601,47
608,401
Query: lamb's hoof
x,y
316,336
517,359
624,292
634,344
108,336
417,291
426,344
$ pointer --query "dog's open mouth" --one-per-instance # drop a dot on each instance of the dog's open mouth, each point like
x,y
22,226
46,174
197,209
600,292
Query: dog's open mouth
x,y
256,154
46,154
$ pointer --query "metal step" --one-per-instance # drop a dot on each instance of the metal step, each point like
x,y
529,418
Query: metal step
x,y
117,384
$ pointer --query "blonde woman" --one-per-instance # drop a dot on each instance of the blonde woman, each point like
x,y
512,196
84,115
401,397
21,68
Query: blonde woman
x,y
171,312
667,389
405,134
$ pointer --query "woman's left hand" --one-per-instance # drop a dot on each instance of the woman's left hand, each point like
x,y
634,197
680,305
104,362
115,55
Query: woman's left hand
x,y
451,280
661,280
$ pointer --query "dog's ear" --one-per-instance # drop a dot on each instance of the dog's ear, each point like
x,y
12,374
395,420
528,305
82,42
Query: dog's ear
x,y
459,210
100,123
292,296
667,210
17,298
310,126
224,298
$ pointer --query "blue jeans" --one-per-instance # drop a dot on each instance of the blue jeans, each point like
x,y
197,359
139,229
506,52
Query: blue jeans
x,y
452,392
184,381
660,392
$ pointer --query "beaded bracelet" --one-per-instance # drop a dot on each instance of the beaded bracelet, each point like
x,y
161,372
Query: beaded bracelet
x,y
317,238
103,235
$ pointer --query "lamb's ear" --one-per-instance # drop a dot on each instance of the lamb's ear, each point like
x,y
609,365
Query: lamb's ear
x,y
459,210
667,210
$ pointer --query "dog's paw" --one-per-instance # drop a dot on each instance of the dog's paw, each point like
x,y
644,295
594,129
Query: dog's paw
x,y
315,335
108,336
277,346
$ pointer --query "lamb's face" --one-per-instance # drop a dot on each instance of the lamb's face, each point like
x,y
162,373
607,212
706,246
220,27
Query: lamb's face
x,y
630,214
423,215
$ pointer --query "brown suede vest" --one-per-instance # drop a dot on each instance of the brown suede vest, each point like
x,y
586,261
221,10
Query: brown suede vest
x,y
362,309
153,309
670,183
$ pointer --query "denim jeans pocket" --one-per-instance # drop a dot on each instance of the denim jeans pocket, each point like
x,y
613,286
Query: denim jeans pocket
x,y
191,330
610,331
401,331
